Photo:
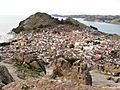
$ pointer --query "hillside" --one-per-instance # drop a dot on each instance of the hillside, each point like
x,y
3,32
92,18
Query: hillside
x,y
38,20
42,20
116,21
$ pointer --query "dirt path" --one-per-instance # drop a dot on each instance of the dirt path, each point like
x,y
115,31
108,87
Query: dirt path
x,y
12,69
101,80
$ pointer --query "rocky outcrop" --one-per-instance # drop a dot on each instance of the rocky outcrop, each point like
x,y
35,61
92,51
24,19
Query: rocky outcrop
x,y
62,68
95,28
77,72
4,44
30,62
5,77
80,73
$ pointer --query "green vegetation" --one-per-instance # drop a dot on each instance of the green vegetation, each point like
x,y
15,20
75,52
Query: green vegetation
x,y
27,70
5,44
18,29
71,60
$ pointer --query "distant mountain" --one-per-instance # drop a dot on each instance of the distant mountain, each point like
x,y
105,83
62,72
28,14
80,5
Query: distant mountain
x,y
116,21
73,16
99,18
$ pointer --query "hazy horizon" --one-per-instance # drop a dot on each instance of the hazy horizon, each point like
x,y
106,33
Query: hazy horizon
x,y
63,7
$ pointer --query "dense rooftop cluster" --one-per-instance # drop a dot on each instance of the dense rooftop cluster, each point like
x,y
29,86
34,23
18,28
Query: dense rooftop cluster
x,y
63,41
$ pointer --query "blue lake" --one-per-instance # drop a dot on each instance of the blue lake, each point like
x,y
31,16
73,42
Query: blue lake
x,y
104,27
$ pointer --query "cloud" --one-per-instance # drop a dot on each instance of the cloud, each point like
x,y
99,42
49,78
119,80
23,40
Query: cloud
x,y
60,6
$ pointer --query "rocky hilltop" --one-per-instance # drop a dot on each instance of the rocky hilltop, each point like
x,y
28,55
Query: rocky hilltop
x,y
52,54
42,20
35,21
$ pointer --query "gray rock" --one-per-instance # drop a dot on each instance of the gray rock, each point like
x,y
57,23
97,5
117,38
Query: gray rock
x,y
5,77
109,78
116,80
1,85
35,64
38,65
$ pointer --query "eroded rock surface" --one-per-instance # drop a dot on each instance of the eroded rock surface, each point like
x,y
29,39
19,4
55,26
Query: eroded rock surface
x,y
5,77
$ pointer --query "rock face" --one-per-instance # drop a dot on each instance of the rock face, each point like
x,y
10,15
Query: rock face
x,y
36,21
62,68
5,77
77,72
93,27
81,73
31,62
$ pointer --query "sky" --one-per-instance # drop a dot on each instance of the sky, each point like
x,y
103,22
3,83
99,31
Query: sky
x,y
64,7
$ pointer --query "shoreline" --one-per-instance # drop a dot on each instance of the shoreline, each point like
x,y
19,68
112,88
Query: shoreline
x,y
6,38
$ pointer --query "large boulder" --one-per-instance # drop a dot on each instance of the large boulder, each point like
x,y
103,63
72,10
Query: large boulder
x,y
23,57
30,61
77,72
5,77
62,68
80,73
38,65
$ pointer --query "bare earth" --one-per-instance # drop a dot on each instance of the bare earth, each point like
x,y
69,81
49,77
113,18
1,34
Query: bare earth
x,y
101,80
12,70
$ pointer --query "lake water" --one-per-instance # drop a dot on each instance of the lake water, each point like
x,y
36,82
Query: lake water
x,y
104,27
8,22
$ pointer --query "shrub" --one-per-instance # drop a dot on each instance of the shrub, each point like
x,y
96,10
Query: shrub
x,y
18,29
